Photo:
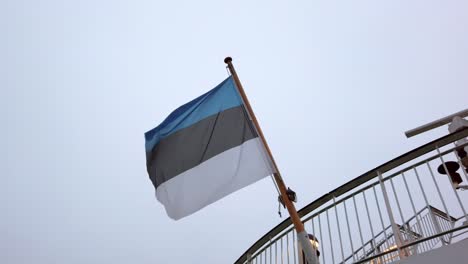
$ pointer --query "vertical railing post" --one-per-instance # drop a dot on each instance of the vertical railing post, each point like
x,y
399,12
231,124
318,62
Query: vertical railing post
x,y
451,183
414,211
281,244
276,252
380,214
315,234
294,245
330,238
321,239
358,224
437,188
349,231
406,250
381,219
339,230
396,230
249,258
435,223
271,254
374,244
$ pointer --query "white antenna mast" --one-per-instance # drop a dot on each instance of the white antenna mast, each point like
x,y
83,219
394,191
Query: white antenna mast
x,y
435,124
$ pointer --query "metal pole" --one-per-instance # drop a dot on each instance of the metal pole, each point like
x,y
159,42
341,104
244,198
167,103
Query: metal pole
x,y
294,245
434,221
359,224
381,218
339,230
401,215
321,239
438,190
330,237
281,239
271,255
369,219
428,226
282,249
397,201
414,208
301,233
436,123
315,234
349,231
424,244
396,231
276,252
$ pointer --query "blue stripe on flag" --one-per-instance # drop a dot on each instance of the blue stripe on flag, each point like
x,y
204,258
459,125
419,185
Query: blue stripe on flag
x,y
220,98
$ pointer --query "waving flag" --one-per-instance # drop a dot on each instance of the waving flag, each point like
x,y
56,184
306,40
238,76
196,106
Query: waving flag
x,y
205,150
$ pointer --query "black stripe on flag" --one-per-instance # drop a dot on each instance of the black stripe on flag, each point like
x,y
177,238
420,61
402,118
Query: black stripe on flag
x,y
197,143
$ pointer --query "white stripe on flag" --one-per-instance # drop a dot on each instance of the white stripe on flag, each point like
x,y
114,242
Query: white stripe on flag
x,y
214,179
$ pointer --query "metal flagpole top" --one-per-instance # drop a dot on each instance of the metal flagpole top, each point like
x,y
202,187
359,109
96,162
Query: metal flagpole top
x,y
227,60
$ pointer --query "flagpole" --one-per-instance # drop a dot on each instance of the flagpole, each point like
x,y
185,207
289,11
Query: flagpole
x,y
298,225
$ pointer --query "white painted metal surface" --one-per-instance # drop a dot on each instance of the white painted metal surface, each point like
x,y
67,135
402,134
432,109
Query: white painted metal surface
x,y
423,212
436,123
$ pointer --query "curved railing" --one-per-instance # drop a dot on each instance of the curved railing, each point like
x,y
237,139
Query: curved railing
x,y
401,208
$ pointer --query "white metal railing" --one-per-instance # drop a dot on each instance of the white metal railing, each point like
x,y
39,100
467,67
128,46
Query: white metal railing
x,y
401,208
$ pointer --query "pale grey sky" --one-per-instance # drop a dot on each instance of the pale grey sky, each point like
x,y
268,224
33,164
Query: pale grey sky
x,y
334,85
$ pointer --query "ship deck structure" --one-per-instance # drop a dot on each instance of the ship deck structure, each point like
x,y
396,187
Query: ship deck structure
x,y
411,209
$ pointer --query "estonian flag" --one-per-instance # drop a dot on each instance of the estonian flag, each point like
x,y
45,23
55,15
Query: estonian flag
x,y
205,150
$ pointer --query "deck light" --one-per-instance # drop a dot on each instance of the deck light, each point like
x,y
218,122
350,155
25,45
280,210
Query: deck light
x,y
461,152
452,168
315,244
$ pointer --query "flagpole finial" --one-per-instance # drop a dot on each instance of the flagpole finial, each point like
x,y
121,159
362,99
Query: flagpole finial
x,y
227,60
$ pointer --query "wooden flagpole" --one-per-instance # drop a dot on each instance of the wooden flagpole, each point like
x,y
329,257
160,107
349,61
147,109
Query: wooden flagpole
x,y
298,225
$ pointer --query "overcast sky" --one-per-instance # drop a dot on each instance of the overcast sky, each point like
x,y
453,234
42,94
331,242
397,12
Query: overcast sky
x,y
334,85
